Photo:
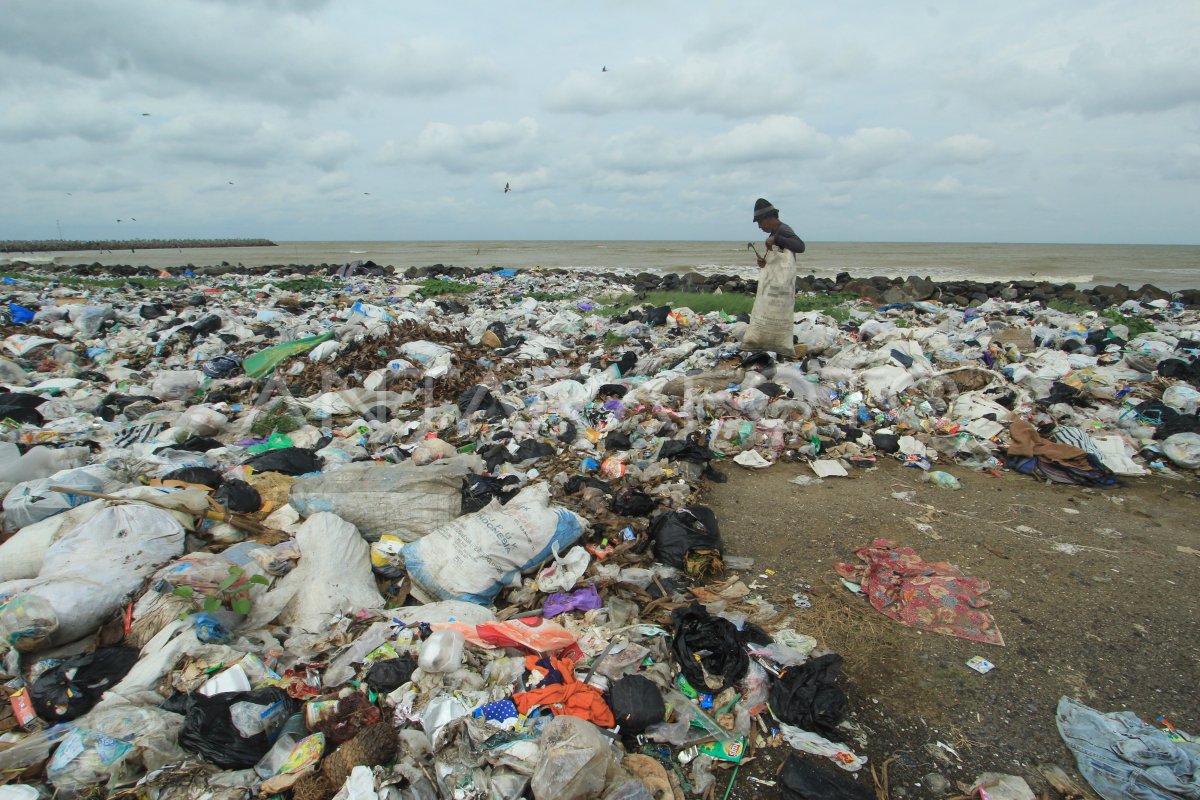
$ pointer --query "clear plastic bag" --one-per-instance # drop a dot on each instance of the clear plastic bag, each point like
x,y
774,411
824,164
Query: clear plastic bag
x,y
442,651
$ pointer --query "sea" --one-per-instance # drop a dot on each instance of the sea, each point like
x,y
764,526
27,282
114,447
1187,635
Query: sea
x,y
1171,267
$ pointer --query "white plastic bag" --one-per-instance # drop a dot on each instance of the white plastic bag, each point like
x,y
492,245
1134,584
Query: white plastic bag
x,y
333,576
565,572
87,574
1183,449
34,501
405,500
474,556
774,305
21,556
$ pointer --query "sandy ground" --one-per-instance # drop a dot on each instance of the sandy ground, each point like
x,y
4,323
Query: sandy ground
x,y
1097,597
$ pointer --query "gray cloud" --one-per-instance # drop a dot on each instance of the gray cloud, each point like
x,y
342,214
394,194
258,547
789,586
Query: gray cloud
x,y
277,117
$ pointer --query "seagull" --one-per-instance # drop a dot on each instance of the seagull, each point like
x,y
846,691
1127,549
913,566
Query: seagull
x,y
507,188
134,219
68,194
366,192
118,220
144,114
604,69
231,183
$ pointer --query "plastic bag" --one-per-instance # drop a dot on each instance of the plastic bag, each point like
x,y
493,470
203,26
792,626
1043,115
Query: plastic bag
x,y
577,761
565,572
333,576
676,533
636,703
114,744
238,497
709,650
87,574
21,407
34,501
808,697
21,556
805,779
386,676
774,305
1183,449
404,500
287,461
234,729
442,651
474,556
72,688
27,622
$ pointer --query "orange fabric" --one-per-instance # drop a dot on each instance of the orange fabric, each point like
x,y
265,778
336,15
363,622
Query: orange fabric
x,y
572,697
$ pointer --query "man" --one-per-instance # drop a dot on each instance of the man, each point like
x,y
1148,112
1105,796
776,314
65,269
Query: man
x,y
779,234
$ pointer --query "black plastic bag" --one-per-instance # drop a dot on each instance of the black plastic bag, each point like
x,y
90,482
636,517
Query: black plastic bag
x,y
636,704
210,727
478,491
806,779
676,533
691,450
708,645
238,497
194,444
21,407
611,391
532,448
480,398
286,461
808,697
205,476
70,689
886,442
617,441
385,677
222,366
152,311
633,503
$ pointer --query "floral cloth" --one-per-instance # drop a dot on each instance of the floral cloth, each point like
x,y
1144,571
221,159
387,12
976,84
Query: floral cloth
x,y
929,595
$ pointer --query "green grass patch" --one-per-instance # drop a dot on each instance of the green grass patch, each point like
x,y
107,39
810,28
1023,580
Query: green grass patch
x,y
833,304
431,287
1136,325
303,284
80,282
1068,307
612,340
548,297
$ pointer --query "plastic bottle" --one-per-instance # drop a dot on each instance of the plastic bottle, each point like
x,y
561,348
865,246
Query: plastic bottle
x,y
943,479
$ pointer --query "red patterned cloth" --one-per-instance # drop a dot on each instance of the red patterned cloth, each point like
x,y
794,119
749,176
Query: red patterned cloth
x,y
930,595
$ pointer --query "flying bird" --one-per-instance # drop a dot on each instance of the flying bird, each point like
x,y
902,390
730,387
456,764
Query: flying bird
x,y
134,219
231,183
507,188
366,192
118,220
144,114
604,69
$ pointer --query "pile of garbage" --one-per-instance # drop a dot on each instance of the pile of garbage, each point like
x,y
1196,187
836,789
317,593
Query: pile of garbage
x,y
372,541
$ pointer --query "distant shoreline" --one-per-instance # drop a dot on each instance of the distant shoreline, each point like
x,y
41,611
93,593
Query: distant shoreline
x,y
65,245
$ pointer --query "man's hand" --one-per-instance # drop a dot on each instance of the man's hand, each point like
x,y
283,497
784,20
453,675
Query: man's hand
x,y
762,262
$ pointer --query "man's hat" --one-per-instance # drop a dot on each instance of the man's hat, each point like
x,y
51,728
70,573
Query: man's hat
x,y
762,209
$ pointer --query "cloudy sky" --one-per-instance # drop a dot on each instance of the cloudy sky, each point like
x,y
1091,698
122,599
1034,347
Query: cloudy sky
x,y
1023,121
